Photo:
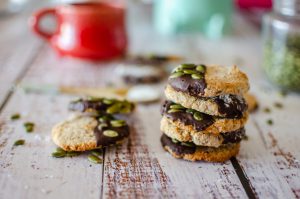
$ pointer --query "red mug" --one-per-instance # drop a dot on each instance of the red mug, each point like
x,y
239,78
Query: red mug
x,y
90,30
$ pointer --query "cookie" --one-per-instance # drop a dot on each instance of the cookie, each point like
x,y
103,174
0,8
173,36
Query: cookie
x,y
208,81
251,101
192,120
201,138
191,152
102,105
230,106
86,133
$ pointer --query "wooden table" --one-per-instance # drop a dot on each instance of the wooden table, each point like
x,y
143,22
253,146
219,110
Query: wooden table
x,y
267,167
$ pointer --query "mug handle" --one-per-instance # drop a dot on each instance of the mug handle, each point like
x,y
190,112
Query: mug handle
x,y
35,22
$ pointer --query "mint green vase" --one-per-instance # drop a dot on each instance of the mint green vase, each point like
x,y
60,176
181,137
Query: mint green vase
x,y
210,17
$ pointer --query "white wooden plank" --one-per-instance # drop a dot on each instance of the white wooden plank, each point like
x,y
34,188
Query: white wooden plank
x,y
18,47
29,171
142,169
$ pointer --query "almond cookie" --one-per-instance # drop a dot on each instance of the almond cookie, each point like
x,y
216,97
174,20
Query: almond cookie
x,y
192,120
191,152
208,81
86,133
201,138
230,106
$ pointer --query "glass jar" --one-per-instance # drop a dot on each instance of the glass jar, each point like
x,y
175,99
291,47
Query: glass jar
x,y
281,34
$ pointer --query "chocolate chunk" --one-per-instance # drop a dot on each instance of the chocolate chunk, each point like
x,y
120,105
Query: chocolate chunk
x,y
83,105
187,84
177,148
230,106
187,118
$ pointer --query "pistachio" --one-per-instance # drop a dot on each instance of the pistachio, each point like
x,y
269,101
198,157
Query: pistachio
x,y
197,76
176,106
58,154
189,72
110,133
108,101
187,66
176,74
15,116
19,142
174,110
200,68
198,116
29,127
95,159
117,123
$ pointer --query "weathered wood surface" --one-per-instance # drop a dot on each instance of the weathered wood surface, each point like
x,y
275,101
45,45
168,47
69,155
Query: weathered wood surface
x,y
140,168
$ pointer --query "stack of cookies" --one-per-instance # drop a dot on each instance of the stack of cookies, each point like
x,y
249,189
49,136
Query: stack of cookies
x,y
205,112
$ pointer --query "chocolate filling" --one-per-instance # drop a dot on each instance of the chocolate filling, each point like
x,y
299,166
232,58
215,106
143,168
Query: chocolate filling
x,y
103,140
187,118
187,84
177,148
233,136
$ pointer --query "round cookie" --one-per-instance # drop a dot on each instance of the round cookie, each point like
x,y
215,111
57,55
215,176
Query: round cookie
x,y
84,133
195,121
197,153
230,106
200,138
208,81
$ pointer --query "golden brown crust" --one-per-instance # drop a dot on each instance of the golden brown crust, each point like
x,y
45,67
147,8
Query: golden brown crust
x,y
221,80
220,154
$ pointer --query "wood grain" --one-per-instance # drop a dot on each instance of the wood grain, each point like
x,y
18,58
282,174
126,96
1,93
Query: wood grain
x,y
29,171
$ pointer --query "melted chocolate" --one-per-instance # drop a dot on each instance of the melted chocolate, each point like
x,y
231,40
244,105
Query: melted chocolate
x,y
230,106
187,84
83,105
187,118
234,136
176,147
103,140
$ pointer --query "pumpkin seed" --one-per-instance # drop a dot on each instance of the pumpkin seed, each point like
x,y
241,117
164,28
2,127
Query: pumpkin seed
x,y
187,66
29,127
114,108
197,76
117,123
174,110
104,118
58,154
19,142
72,153
95,159
176,106
177,69
108,101
177,74
189,72
15,116
187,144
174,140
110,133
94,99
200,68
101,126
198,116
96,152
190,111
58,149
